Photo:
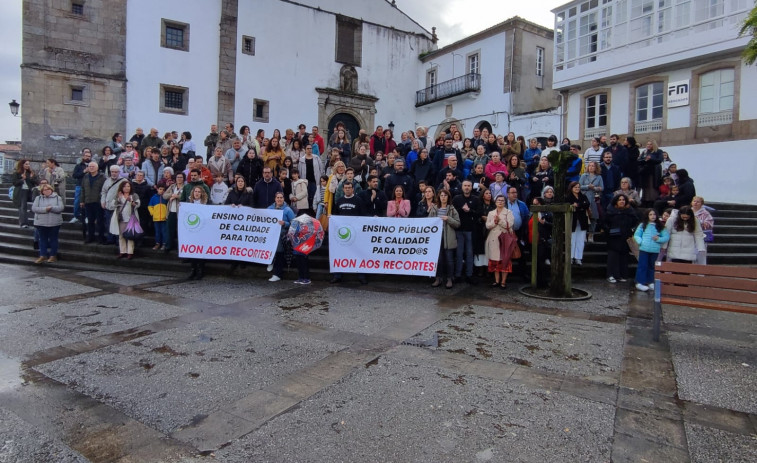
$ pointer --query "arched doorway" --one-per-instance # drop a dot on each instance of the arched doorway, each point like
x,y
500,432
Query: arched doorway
x,y
350,123
484,125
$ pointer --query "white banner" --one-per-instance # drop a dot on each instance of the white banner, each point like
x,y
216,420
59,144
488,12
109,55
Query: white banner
x,y
227,232
384,245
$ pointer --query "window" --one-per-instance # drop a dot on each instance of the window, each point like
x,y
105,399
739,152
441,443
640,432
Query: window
x,y
649,102
174,35
431,78
77,94
259,110
77,9
474,66
596,114
174,99
539,61
248,45
349,40
716,91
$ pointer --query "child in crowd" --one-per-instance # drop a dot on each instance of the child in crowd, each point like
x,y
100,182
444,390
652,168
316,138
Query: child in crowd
x,y
219,191
158,209
319,197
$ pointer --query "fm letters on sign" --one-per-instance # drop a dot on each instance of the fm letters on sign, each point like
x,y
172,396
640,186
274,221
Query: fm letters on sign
x,y
381,245
227,232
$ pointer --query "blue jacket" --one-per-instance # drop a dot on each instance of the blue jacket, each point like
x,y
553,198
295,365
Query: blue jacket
x,y
644,235
287,218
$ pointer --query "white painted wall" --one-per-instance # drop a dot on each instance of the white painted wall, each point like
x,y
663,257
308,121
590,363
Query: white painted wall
x,y
295,50
377,11
727,182
148,65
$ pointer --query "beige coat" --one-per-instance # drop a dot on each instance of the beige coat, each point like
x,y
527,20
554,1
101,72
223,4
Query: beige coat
x,y
505,225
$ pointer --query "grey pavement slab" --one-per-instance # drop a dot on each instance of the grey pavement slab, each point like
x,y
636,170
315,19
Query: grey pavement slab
x,y
28,331
219,291
363,312
400,411
557,344
715,371
23,442
173,378
710,319
24,292
708,445
606,298
125,279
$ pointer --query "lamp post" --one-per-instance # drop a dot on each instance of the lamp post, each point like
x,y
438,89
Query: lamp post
x,y
391,126
14,107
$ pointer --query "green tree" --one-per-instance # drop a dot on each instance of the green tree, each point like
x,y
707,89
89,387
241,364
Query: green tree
x,y
750,28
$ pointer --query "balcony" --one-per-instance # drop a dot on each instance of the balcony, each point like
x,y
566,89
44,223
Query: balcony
x,y
713,119
655,125
468,83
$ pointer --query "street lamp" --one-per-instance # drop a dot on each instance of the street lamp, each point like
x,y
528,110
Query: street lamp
x,y
391,126
14,107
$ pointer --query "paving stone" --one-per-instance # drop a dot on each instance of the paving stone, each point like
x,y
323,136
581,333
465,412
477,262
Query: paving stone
x,y
357,311
710,319
32,330
125,279
22,442
708,445
23,292
216,290
170,379
399,411
715,371
553,343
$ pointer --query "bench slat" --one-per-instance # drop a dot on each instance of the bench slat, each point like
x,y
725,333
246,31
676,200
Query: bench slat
x,y
715,270
709,305
708,281
709,294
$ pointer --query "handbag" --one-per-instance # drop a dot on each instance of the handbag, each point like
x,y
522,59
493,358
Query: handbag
x,y
709,237
615,231
133,230
633,246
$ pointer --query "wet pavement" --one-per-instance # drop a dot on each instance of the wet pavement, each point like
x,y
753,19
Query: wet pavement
x,y
121,367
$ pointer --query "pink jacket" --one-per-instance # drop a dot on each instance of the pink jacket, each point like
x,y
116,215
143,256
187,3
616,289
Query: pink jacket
x,y
402,211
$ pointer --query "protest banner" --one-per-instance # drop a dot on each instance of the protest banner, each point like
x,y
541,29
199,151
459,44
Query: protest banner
x,y
384,245
228,232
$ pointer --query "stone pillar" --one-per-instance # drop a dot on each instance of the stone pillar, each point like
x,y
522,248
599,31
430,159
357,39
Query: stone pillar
x,y
227,62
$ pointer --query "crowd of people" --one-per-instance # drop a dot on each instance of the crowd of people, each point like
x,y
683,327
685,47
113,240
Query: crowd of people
x,y
480,186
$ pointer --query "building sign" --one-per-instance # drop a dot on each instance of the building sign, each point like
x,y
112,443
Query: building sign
x,y
228,232
678,93
384,245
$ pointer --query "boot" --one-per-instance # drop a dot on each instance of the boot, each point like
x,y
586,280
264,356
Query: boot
x,y
449,283
193,275
436,282
200,271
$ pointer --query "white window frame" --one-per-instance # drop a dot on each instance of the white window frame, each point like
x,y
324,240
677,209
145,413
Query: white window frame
x,y
594,101
720,89
540,61
649,105
474,63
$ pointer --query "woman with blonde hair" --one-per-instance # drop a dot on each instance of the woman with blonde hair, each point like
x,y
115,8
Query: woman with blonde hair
x,y
337,175
274,154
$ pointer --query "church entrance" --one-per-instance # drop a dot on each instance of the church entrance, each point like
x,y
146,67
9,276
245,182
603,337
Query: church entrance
x,y
350,124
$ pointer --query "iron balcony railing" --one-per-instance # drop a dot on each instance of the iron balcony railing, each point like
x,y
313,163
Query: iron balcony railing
x,y
464,84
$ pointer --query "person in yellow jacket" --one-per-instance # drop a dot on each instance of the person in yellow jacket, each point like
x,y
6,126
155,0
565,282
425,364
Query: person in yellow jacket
x,y
158,208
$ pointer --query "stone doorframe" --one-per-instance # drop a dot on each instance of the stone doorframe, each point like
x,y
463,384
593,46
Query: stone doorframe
x,y
332,101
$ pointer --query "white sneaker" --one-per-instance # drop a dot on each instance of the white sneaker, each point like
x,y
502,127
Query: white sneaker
x,y
651,286
612,280
269,268
642,287
274,278
74,220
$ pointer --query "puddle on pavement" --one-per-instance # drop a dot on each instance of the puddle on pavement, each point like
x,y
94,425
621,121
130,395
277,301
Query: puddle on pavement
x,y
10,373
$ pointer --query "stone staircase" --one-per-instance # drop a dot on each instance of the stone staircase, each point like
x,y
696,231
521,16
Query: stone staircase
x,y
735,244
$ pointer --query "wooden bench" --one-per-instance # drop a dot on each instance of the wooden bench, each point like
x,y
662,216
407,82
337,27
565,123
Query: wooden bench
x,y
714,287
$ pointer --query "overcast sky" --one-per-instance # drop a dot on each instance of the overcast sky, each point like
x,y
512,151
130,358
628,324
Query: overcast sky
x,y
453,19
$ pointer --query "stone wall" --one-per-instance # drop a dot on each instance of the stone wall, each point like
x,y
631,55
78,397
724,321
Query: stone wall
x,y
227,63
64,53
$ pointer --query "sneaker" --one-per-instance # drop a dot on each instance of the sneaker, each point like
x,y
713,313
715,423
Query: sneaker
x,y
269,268
40,260
305,282
547,262
297,282
651,286
52,260
24,226
622,280
578,262
73,220
642,287
274,278
612,280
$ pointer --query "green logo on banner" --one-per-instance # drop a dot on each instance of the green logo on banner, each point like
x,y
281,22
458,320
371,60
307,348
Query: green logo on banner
x,y
193,221
345,235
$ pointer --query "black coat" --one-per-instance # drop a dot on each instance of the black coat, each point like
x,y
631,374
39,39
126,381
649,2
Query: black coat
x,y
580,215
239,198
623,219
250,169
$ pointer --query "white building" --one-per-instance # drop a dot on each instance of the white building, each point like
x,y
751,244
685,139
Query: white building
x,y
668,70
499,78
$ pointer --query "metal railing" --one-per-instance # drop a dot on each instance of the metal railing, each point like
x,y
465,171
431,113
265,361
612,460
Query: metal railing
x,y
457,86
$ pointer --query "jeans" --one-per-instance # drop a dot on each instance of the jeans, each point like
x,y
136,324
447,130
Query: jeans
x,y
278,264
577,243
109,237
23,209
161,232
77,198
645,269
48,238
95,218
617,264
446,263
320,210
464,250
303,267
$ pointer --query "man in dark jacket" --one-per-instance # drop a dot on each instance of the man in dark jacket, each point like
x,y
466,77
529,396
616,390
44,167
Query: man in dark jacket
x,y
374,199
399,177
467,205
619,157
264,192
349,205
79,171
91,187
611,176
210,141
441,158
